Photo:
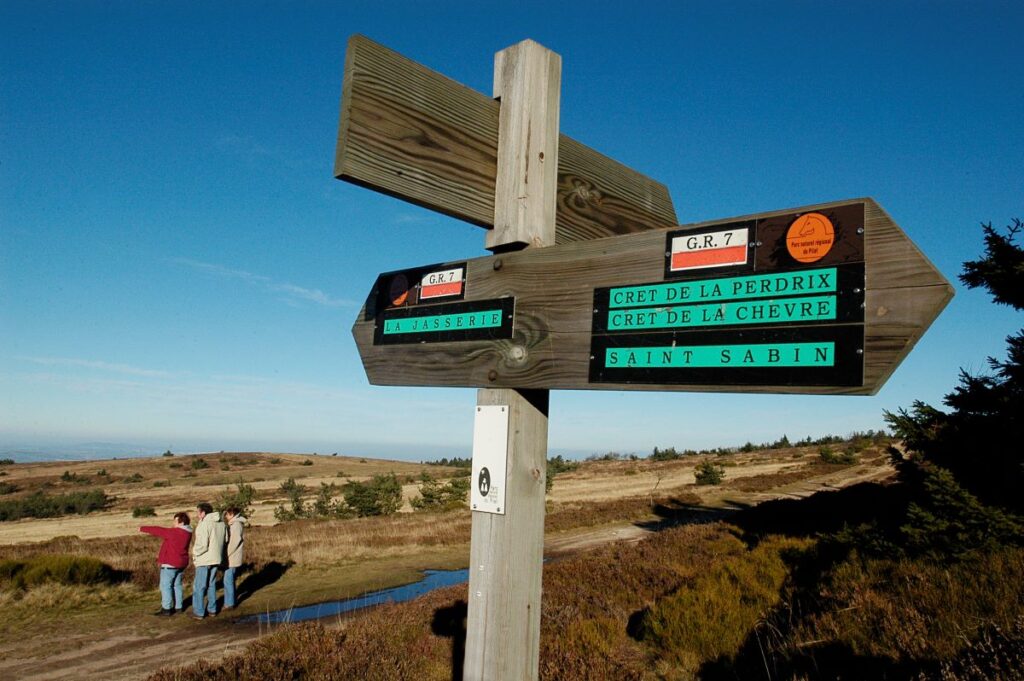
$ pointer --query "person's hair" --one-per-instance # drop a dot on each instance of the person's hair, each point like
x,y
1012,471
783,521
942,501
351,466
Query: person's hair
x,y
182,518
204,507
233,510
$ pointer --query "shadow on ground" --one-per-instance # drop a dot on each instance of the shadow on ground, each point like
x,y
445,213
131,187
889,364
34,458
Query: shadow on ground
x,y
450,623
264,577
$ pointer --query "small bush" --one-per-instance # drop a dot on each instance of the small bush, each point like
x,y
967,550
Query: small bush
x,y
241,498
199,464
828,455
709,473
134,477
307,462
381,496
68,476
60,569
175,465
6,462
8,488
168,453
143,511
435,496
161,483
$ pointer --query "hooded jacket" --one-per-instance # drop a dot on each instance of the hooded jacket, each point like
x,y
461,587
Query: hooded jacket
x,y
236,540
174,548
210,535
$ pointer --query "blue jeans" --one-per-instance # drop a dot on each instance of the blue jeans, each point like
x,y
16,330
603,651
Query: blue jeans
x,y
205,588
170,588
229,587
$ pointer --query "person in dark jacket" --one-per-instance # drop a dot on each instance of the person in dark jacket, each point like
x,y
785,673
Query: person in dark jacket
x,y
172,559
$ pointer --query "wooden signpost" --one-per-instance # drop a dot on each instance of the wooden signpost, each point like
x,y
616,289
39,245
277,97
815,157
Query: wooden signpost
x,y
668,310
593,285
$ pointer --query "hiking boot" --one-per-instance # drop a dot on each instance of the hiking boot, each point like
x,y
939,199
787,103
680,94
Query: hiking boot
x,y
163,612
198,617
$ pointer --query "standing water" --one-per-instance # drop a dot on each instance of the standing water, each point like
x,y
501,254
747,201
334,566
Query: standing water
x,y
433,579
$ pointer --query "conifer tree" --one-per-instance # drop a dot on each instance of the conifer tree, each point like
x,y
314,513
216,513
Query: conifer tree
x,y
981,440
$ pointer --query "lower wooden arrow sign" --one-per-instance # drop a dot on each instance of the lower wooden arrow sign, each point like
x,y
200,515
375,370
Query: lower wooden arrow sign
x,y
825,299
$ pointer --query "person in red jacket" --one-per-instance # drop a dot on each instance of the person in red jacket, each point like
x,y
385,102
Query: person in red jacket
x,y
173,559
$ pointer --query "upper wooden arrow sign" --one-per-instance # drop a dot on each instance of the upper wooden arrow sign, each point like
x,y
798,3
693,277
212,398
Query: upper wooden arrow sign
x,y
825,299
412,133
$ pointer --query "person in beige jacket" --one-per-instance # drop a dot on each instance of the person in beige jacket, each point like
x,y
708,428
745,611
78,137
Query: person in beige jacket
x,y
236,549
207,555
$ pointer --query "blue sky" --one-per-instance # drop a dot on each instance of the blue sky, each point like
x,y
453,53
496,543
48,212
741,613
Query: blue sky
x,y
179,268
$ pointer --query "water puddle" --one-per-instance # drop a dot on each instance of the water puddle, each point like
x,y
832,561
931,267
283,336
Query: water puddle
x,y
432,579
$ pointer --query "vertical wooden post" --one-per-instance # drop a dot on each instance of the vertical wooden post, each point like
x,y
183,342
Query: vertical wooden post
x,y
506,554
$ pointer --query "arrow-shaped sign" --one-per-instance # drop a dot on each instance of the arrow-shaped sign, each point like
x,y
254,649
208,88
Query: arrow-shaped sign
x,y
822,299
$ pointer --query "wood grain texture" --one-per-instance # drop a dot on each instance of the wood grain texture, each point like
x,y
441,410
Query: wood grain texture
x,y
412,133
554,292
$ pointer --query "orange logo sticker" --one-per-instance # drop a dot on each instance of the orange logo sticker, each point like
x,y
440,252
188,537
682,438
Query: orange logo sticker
x,y
399,290
810,237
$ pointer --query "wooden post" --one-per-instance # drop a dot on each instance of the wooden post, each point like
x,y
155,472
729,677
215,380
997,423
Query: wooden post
x,y
527,80
506,553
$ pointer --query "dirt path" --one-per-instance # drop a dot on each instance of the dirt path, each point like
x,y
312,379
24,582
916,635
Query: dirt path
x,y
125,653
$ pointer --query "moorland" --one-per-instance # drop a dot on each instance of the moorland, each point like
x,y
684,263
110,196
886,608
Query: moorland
x,y
610,503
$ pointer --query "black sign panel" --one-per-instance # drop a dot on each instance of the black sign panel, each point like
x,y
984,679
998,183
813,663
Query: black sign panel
x,y
788,356
446,322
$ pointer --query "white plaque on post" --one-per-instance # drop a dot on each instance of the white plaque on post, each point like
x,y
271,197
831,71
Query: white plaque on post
x,y
490,456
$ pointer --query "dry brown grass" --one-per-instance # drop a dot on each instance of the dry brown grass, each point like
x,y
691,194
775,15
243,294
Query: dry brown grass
x,y
785,476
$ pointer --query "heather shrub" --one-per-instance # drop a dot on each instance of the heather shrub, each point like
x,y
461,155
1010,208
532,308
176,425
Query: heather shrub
x,y
41,505
710,616
59,569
